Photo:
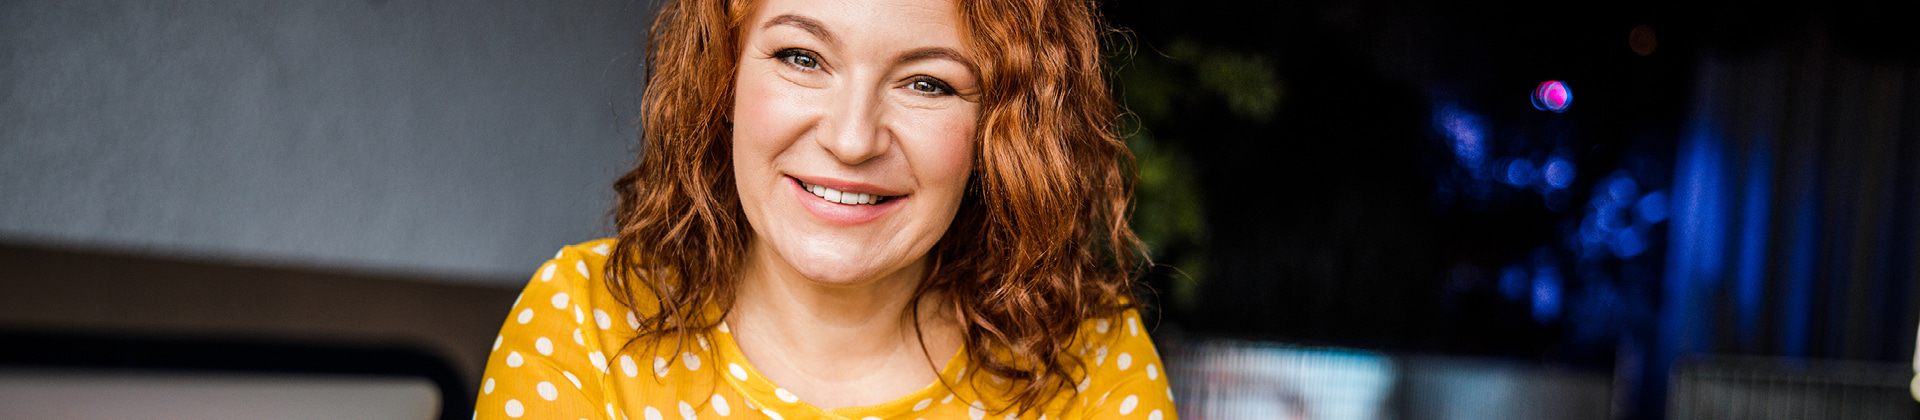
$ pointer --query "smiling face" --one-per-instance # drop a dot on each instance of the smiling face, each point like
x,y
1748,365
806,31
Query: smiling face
x,y
853,127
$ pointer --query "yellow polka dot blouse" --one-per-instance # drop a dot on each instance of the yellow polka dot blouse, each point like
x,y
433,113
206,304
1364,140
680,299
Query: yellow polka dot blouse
x,y
559,356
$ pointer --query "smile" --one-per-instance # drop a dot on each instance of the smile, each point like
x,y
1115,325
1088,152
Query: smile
x,y
837,196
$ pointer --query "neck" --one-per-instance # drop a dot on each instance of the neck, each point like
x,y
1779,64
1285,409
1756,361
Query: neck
x,y
803,333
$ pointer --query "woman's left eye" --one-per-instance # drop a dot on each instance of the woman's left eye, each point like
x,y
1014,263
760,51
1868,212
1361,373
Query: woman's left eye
x,y
929,86
799,58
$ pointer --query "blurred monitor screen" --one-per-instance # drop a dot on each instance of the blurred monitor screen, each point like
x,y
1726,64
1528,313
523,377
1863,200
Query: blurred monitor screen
x,y
1226,379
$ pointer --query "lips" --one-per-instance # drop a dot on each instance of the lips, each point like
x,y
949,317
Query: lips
x,y
844,203
843,197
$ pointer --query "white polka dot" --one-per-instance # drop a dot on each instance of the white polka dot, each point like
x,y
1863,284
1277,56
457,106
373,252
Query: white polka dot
x,y
544,346
514,409
571,378
581,266
496,341
1101,325
691,360
961,373
702,339
738,372
652,413
1126,405
1133,326
1123,361
1084,383
610,414
723,328
922,405
1153,372
1169,394
516,299
488,388
600,249
633,321
547,391
976,411
749,404
1011,416
1100,356
526,315
579,317
560,300
686,411
600,317
628,367
546,273
560,253
948,399
720,405
514,359
772,415
578,338
784,395
1155,415
659,366
598,360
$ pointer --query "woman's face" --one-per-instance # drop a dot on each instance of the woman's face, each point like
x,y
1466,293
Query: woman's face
x,y
853,130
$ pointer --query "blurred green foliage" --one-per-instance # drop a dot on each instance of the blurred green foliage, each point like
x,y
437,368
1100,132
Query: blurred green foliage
x,y
1160,90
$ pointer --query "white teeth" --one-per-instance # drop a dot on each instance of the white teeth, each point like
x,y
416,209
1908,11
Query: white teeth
x,y
837,196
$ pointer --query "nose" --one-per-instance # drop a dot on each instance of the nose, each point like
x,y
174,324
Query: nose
x,y
853,131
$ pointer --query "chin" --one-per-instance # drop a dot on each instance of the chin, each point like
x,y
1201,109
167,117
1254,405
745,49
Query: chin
x,y
838,272
850,268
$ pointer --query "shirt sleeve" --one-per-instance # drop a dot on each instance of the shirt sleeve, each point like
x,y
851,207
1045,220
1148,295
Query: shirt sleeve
x,y
1128,380
546,362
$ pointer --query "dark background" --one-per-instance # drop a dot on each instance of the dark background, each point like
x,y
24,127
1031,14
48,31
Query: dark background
x,y
1780,139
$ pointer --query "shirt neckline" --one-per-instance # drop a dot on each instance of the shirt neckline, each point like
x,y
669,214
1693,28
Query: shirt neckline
x,y
757,387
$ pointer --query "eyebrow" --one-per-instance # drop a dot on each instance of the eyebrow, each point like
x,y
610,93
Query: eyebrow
x,y
820,31
804,23
934,53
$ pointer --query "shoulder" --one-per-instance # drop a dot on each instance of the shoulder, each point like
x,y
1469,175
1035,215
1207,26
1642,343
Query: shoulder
x,y
1124,373
588,260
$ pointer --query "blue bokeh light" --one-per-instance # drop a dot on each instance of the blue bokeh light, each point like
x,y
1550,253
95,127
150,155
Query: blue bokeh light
x,y
1466,133
1513,282
1546,293
1558,172
1519,172
1651,208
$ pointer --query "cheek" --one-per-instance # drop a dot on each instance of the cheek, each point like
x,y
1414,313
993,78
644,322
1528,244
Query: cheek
x,y
945,153
765,118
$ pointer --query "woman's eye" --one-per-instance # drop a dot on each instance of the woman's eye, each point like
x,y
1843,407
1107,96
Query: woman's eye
x,y
798,58
929,86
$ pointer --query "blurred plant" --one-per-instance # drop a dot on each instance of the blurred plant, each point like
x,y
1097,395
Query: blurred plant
x,y
1159,90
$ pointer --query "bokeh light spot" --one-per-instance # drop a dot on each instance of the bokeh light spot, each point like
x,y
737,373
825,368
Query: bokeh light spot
x,y
1552,95
1642,40
1558,173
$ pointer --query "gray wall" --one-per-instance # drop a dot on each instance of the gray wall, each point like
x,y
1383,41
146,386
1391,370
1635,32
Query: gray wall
x,y
464,140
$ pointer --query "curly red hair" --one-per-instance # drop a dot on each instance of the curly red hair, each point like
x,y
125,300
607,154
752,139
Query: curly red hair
x,y
1041,242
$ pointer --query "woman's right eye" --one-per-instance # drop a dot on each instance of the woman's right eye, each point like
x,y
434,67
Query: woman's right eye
x,y
799,58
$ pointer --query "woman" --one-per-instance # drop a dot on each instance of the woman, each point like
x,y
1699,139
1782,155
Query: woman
x,y
900,209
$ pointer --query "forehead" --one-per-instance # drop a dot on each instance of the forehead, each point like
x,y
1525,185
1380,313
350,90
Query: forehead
x,y
901,23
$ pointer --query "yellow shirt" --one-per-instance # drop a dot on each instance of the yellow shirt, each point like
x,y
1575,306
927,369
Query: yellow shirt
x,y
559,356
